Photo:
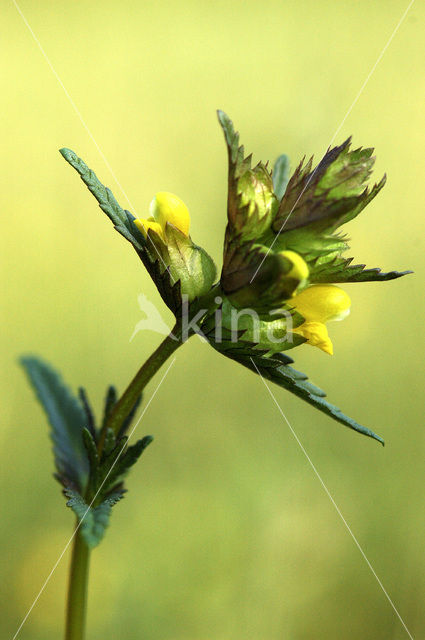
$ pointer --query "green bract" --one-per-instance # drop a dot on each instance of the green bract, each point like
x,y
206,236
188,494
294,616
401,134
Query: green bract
x,y
281,237
92,481
274,335
267,214
178,268
187,263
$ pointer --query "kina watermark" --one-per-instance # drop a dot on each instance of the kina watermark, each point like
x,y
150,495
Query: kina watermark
x,y
224,323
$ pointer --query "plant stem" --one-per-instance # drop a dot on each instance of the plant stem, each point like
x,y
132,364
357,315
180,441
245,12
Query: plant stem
x,y
140,380
77,590
79,569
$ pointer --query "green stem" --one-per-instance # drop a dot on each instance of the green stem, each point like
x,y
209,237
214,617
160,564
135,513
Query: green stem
x,y
140,380
77,590
79,570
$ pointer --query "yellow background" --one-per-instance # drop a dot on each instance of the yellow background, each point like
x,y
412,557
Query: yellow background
x,y
226,533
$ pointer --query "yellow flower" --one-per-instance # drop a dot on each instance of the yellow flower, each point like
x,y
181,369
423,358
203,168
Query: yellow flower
x,y
299,269
318,304
165,207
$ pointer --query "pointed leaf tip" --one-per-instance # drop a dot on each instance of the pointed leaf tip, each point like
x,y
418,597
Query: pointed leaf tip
x,y
271,368
281,176
66,416
93,521
146,441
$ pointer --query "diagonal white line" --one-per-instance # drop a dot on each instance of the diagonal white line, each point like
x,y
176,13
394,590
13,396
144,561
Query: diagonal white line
x,y
88,508
83,122
369,75
378,60
328,493
71,101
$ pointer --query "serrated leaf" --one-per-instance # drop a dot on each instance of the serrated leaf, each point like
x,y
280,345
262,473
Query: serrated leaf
x,y
276,369
93,456
251,202
122,219
236,153
329,195
272,335
291,380
110,401
93,520
91,423
169,289
103,195
281,176
66,417
339,269
122,460
129,419
110,442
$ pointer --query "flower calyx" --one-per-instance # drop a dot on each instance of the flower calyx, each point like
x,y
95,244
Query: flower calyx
x,y
168,243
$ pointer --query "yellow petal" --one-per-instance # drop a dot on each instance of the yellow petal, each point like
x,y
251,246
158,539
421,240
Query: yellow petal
x,y
299,269
317,335
322,302
144,226
166,207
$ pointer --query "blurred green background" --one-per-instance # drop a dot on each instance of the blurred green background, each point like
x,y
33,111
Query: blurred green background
x,y
226,533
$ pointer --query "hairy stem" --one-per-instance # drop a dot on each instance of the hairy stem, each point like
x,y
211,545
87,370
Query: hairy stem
x,y
140,380
77,590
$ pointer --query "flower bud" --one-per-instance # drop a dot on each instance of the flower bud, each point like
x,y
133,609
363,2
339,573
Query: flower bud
x,y
268,281
144,226
165,207
299,270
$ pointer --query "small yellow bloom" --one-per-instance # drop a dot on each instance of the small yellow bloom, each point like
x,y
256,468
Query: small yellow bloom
x,y
318,304
165,207
299,269
145,225
317,335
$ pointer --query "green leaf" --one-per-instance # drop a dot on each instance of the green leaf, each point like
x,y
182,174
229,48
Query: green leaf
x,y
252,275
281,176
117,466
272,335
251,202
169,289
347,174
67,420
276,369
123,221
236,153
109,469
199,270
129,419
329,195
340,270
110,442
93,456
93,520
91,423
110,401
296,382
104,196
